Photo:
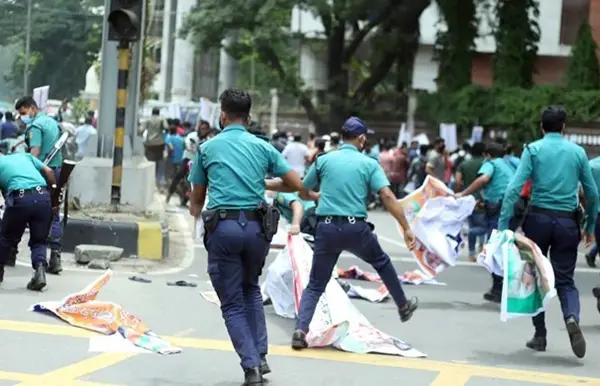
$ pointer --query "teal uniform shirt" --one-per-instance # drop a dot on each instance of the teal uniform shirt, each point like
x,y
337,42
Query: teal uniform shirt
x,y
595,166
20,171
233,166
346,177
43,132
501,174
283,202
555,167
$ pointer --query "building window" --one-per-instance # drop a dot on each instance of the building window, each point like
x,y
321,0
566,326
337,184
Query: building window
x,y
574,13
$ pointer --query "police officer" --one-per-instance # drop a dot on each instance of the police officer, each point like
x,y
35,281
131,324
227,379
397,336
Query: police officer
x,y
555,166
296,211
232,167
41,134
346,177
24,181
494,176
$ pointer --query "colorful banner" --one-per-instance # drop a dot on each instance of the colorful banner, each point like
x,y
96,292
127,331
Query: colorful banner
x,y
528,275
82,310
436,219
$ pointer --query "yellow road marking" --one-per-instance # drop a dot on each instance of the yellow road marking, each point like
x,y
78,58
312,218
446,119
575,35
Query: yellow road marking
x,y
79,369
451,378
17,377
338,356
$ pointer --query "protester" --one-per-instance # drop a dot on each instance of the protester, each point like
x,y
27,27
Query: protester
x,y
311,141
417,170
8,129
82,137
154,143
175,147
297,154
319,149
436,165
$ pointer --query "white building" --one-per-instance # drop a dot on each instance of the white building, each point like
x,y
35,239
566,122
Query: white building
x,y
559,21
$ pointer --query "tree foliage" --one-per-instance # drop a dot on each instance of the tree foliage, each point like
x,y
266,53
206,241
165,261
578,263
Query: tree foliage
x,y
455,45
65,39
517,35
390,26
584,71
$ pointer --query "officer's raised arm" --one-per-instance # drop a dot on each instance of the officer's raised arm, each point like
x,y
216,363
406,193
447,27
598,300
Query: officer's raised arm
x,y
380,184
522,175
288,181
590,192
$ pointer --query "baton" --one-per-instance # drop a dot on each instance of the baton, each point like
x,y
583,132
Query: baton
x,y
56,148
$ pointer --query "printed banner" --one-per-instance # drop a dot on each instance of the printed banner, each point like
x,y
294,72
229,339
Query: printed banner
x,y
82,310
528,275
336,321
436,220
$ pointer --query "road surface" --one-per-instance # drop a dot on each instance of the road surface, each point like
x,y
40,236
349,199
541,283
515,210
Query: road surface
x,y
462,335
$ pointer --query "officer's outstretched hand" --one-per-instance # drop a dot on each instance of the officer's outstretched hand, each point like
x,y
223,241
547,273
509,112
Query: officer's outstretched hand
x,y
410,239
294,229
588,239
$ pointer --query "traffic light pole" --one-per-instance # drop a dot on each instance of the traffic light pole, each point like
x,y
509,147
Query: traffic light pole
x,y
119,141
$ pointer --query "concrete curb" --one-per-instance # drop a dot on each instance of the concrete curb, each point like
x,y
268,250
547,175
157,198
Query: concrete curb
x,y
148,240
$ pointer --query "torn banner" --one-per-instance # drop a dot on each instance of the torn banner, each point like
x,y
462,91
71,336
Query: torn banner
x,y
336,321
528,283
436,219
82,310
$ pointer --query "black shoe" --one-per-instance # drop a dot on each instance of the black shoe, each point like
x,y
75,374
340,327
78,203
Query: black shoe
x,y
407,311
299,340
253,376
596,293
1,273
264,366
493,297
11,259
38,281
54,265
590,260
537,343
576,337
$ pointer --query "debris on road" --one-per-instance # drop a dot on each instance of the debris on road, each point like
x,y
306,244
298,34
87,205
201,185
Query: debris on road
x,y
82,310
181,283
85,253
99,264
140,279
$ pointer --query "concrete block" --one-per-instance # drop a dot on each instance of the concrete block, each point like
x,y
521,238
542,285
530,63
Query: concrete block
x,y
99,264
84,253
91,182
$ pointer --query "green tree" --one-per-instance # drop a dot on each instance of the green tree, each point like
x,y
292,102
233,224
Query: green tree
x,y
65,40
517,36
584,71
455,45
391,26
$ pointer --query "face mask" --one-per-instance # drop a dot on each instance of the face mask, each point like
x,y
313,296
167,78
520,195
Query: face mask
x,y
26,119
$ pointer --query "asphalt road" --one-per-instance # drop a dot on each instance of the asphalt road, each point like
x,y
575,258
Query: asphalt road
x,y
462,335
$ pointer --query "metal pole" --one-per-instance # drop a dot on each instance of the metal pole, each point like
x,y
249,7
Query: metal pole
x,y
27,49
117,172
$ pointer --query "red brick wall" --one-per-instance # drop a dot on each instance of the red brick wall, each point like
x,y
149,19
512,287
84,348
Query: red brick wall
x,y
549,69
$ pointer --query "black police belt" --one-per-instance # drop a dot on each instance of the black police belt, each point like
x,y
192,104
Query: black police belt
x,y
552,212
341,219
235,214
26,192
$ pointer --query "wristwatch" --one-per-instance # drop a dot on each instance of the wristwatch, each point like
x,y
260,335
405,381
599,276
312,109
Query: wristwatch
x,y
53,186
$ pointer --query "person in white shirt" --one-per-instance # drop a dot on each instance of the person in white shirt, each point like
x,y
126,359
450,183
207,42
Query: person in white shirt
x,y
297,155
82,136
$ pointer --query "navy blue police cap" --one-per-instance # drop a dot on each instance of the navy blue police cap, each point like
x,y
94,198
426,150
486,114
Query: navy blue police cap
x,y
354,127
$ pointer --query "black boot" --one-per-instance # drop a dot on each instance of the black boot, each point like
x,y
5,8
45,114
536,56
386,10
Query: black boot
x,y
38,281
407,311
537,343
264,366
1,273
253,376
54,265
576,337
11,259
596,293
299,340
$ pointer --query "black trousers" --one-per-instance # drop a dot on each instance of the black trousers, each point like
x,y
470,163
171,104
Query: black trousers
x,y
179,175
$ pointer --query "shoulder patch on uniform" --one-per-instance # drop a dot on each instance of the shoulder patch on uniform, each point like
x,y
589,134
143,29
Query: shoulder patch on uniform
x,y
280,199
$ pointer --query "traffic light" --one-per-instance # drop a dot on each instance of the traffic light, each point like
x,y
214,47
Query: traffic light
x,y
125,20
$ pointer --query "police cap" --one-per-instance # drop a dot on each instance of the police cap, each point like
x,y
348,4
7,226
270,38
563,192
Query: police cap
x,y
354,127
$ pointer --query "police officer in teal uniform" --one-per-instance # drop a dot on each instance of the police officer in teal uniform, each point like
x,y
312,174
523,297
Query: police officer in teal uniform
x,y
24,181
232,167
296,212
494,176
41,134
346,177
556,166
